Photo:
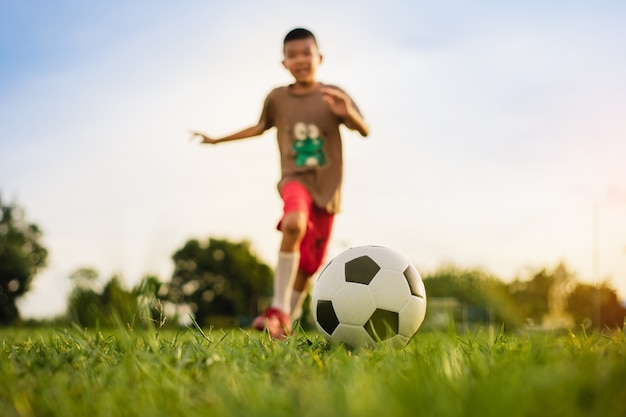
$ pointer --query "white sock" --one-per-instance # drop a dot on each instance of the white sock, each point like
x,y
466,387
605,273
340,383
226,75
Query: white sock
x,y
284,278
297,300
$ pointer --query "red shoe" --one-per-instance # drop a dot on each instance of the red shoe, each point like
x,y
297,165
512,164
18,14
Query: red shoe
x,y
275,322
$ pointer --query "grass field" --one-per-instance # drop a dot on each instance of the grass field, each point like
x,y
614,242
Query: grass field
x,y
69,372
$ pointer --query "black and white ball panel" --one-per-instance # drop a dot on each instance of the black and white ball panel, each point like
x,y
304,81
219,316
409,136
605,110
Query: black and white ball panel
x,y
368,294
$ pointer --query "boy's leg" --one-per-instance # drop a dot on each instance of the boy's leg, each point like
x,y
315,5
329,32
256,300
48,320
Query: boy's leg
x,y
293,228
297,203
299,293
313,252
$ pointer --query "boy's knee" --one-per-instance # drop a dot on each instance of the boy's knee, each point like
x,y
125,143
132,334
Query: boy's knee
x,y
294,223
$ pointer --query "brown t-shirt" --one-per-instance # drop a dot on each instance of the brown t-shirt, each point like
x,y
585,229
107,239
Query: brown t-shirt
x,y
309,143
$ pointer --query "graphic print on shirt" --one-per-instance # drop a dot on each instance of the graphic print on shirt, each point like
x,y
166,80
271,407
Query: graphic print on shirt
x,y
308,146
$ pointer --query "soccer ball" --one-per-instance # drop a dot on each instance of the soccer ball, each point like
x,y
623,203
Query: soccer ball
x,y
369,295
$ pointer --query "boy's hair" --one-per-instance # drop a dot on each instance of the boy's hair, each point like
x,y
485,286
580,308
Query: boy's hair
x,y
299,33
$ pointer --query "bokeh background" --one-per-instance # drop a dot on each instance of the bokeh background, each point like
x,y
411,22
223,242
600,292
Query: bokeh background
x,y
498,131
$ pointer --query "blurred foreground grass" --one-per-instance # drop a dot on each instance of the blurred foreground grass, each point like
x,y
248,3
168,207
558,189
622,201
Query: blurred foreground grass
x,y
70,372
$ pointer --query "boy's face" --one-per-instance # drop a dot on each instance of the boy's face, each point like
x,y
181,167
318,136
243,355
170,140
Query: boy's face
x,y
301,59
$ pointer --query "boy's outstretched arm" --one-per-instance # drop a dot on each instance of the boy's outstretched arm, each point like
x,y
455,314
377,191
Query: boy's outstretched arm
x,y
249,132
342,106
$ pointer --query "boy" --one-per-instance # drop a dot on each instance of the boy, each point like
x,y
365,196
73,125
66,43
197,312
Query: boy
x,y
307,115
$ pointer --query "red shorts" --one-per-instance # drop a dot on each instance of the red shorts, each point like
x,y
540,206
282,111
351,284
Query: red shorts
x,y
319,226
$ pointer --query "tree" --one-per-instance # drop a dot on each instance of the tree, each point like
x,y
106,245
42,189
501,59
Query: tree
x,y
483,296
531,295
118,303
545,294
581,305
219,278
21,256
149,293
89,307
83,305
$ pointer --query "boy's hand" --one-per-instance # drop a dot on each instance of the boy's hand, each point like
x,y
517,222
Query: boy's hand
x,y
205,138
339,102
341,105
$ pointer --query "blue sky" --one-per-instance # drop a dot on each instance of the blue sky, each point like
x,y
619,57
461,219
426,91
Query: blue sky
x,y
496,126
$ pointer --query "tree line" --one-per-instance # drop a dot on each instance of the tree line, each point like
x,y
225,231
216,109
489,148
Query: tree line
x,y
223,283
